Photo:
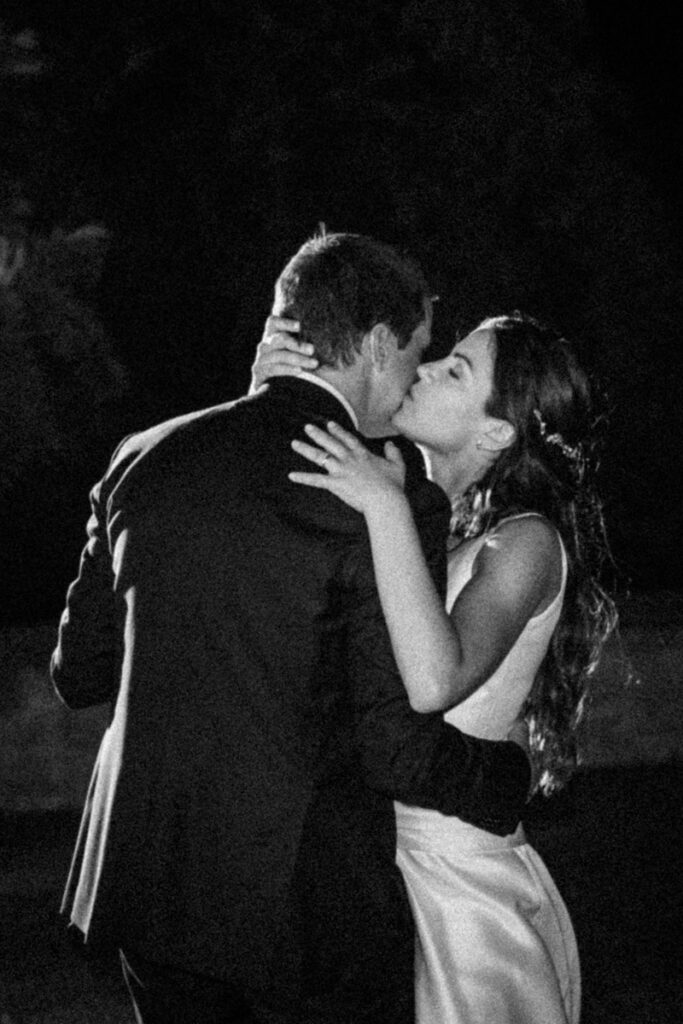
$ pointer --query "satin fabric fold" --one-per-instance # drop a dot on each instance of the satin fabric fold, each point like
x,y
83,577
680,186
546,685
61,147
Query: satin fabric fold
x,y
494,942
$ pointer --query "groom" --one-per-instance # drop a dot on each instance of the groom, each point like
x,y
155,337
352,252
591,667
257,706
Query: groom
x,y
238,837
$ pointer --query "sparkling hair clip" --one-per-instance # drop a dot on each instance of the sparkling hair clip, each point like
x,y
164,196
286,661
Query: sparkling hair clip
x,y
574,454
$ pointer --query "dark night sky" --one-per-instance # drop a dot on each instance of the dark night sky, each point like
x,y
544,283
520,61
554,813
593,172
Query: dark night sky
x,y
639,43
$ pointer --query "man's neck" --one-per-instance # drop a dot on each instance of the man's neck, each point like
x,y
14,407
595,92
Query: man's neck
x,y
354,389
377,428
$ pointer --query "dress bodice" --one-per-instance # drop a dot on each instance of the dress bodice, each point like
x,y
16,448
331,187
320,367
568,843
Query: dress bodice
x,y
490,711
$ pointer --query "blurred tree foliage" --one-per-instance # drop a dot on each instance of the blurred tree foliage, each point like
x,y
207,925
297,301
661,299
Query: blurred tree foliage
x,y
212,137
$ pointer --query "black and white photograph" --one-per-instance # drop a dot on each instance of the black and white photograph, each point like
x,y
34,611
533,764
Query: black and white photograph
x,y
341,498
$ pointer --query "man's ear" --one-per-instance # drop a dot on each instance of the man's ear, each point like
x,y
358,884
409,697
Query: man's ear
x,y
378,346
498,435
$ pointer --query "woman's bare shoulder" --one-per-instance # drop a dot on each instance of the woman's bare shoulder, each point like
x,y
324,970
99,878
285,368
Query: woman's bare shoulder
x,y
529,533
525,555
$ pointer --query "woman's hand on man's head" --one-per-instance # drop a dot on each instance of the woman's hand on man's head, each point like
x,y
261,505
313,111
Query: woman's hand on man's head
x,y
280,353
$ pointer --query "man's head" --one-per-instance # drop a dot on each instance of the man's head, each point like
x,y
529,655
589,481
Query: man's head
x,y
366,310
339,286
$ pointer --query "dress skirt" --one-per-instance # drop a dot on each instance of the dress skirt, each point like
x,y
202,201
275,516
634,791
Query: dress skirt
x,y
494,941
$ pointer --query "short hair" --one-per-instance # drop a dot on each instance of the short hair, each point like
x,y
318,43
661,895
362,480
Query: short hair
x,y
339,286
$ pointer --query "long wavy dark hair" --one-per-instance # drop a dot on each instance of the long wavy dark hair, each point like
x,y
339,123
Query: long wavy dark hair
x,y
539,387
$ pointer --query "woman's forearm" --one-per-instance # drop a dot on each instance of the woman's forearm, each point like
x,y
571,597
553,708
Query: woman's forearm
x,y
426,645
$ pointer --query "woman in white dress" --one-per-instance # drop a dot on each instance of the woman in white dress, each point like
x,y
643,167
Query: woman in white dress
x,y
504,423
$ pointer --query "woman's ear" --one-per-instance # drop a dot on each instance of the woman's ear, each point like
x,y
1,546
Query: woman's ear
x,y
498,435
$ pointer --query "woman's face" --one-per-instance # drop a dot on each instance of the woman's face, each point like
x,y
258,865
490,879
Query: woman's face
x,y
444,409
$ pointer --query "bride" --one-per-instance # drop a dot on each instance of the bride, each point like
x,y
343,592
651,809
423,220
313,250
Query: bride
x,y
505,427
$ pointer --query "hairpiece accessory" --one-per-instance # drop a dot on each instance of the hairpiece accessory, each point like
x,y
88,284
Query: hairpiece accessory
x,y
574,454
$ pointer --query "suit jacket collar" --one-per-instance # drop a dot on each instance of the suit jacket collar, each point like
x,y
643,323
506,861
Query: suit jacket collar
x,y
320,382
319,403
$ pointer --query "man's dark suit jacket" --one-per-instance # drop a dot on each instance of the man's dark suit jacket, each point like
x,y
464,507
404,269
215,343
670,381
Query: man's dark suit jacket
x,y
239,821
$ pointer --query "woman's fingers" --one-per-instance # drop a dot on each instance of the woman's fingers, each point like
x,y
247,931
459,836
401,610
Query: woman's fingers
x,y
281,328
312,480
272,345
280,353
345,467
337,440
311,453
280,343
280,338
332,445
285,359
350,440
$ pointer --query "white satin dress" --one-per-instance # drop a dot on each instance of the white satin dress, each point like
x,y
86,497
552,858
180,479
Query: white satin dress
x,y
494,942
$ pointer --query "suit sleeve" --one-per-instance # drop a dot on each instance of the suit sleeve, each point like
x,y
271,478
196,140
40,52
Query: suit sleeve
x,y
83,665
416,758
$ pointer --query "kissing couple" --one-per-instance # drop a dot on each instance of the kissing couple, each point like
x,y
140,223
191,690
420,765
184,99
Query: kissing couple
x,y
342,624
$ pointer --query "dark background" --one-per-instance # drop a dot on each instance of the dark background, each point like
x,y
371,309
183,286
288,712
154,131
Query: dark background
x,y
159,162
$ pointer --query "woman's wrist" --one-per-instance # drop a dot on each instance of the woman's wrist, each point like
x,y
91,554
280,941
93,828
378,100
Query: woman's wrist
x,y
390,505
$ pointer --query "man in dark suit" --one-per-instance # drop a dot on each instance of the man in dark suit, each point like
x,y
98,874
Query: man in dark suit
x,y
238,838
